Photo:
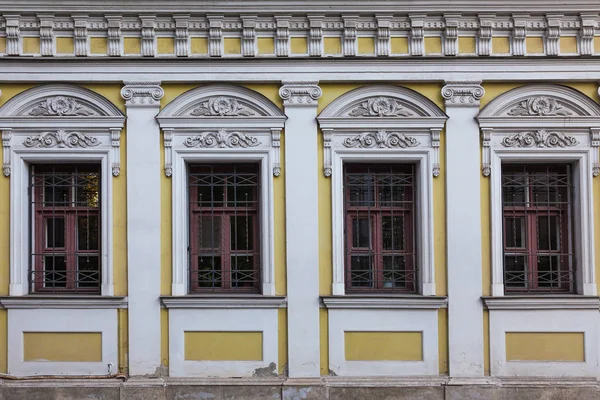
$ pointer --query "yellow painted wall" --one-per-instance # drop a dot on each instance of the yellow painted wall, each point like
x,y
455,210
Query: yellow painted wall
x,y
223,346
443,340
31,45
123,338
433,45
62,346
383,346
500,45
535,45
568,44
282,338
545,346
199,45
366,45
165,45
98,45
332,45
164,336
466,45
298,45
399,45
132,45
266,45
232,46
324,340
3,45
64,45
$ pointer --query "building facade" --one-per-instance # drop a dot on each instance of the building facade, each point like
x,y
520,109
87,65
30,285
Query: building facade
x,y
299,199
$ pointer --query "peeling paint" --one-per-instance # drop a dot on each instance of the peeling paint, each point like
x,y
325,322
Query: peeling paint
x,y
266,372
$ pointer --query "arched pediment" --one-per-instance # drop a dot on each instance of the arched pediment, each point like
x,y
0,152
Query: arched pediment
x,y
541,101
379,103
221,101
65,101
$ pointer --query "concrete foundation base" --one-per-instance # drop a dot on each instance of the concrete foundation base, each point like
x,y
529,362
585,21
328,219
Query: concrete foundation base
x,y
330,388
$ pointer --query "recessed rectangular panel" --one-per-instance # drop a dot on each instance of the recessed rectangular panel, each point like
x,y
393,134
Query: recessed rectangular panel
x,y
62,346
223,346
545,346
383,346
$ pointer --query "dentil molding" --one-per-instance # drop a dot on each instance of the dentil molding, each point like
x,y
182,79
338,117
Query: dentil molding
x,y
463,94
142,94
300,94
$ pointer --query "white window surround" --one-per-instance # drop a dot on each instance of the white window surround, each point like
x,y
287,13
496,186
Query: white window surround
x,y
383,124
221,123
545,123
65,124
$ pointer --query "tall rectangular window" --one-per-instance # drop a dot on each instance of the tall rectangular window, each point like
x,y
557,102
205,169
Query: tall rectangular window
x,y
379,209
65,202
224,228
538,233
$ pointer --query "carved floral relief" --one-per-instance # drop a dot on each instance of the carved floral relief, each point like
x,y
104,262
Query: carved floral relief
x,y
61,139
541,106
221,139
381,139
380,107
221,107
541,138
60,106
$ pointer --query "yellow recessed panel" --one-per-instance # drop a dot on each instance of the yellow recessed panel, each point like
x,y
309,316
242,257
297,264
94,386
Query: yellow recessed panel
x,y
298,45
62,346
466,45
501,45
383,346
199,45
165,45
568,44
64,45
232,45
545,346
433,45
597,44
223,346
31,45
366,45
332,45
98,45
132,45
399,45
266,45
535,45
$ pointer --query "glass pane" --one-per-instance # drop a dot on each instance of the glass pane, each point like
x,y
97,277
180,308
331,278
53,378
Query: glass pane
x,y
87,190
88,271
56,190
513,189
242,271
242,232
87,233
360,189
55,232
209,232
515,268
361,271
393,233
361,233
394,272
547,273
209,271
394,189
514,234
55,271
548,233
242,193
210,195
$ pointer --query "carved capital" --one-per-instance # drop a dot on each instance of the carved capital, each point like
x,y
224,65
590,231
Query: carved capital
x,y
142,94
462,94
300,94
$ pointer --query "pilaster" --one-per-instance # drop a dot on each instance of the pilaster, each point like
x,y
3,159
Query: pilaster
x,y
143,225
463,221
302,227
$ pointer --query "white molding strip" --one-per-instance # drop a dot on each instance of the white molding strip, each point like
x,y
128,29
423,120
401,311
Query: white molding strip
x,y
230,302
554,302
385,302
63,302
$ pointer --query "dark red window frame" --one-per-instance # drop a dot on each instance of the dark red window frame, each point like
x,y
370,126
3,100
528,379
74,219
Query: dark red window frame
x,y
65,203
537,224
380,228
224,228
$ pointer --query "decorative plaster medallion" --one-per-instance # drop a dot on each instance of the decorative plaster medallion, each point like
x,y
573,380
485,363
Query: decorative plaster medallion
x,y
60,106
222,107
381,139
221,139
61,139
541,106
380,107
541,138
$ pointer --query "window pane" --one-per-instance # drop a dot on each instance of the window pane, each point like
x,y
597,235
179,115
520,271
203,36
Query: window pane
x,y
209,271
393,233
514,189
210,195
241,190
87,189
242,271
548,233
56,190
548,271
88,271
394,272
360,190
242,232
209,232
55,232
361,233
395,189
515,271
87,233
361,271
514,232
55,271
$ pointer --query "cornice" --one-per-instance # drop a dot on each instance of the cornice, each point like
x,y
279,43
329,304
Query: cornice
x,y
300,94
462,94
215,302
385,302
62,302
556,302
142,94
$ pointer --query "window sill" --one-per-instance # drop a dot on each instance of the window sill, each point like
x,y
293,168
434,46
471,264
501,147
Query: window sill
x,y
222,301
385,302
63,301
546,302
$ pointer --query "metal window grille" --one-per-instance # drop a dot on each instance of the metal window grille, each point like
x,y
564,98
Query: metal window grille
x,y
224,228
538,228
65,203
379,201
